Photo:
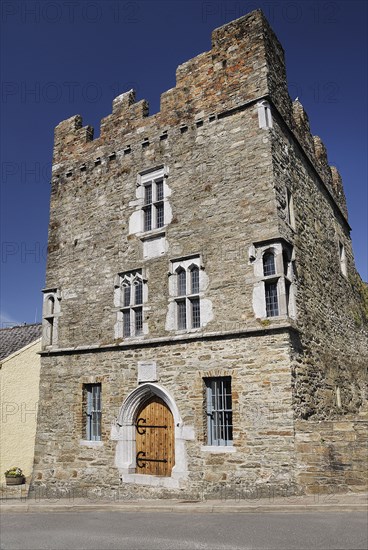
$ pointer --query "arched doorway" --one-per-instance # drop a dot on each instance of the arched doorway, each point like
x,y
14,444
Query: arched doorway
x,y
155,438
124,431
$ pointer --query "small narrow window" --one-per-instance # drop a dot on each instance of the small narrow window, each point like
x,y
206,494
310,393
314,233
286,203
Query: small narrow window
x,y
182,282
126,294
342,259
290,209
138,286
287,295
272,303
92,404
50,318
194,277
126,324
219,411
182,315
264,115
269,264
196,314
138,318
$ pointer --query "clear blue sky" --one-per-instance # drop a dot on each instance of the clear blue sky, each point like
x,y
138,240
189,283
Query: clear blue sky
x,y
63,58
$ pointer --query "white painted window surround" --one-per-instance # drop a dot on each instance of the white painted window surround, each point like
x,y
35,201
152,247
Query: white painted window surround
x,y
152,211
130,297
267,281
50,317
264,114
188,309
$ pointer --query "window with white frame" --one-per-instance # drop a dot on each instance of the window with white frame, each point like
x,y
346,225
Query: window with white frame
x,y
274,292
129,298
264,114
153,200
92,412
188,311
219,411
271,294
188,307
50,315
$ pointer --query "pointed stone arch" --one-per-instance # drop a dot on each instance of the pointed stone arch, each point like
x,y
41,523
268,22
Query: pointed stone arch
x,y
125,433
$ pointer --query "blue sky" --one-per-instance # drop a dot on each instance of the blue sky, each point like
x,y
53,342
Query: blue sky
x,y
63,58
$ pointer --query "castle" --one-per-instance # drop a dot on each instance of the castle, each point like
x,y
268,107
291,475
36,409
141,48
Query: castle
x,y
204,326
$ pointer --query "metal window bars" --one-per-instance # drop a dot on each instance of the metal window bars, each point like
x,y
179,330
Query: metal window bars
x,y
219,411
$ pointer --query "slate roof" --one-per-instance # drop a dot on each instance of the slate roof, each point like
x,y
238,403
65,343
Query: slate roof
x,y
15,338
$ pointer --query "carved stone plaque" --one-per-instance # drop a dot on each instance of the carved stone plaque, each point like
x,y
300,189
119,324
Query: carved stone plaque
x,y
147,371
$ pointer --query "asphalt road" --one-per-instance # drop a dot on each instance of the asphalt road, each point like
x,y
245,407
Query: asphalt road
x,y
180,531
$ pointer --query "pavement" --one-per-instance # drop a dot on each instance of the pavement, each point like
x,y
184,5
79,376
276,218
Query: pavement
x,y
346,502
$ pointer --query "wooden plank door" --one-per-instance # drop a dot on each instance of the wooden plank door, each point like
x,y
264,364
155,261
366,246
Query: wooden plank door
x,y
155,438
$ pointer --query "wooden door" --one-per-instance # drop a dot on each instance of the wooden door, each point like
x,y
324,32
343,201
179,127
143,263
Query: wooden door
x,y
155,438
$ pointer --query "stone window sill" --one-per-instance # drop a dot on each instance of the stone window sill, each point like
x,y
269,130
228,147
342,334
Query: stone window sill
x,y
87,443
218,449
152,233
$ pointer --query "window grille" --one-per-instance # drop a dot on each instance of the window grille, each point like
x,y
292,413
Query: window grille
x,y
93,412
219,411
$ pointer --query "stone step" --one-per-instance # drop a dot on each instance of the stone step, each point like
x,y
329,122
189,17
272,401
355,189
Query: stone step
x,y
8,492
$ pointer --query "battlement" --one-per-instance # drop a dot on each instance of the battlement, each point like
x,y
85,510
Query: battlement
x,y
245,64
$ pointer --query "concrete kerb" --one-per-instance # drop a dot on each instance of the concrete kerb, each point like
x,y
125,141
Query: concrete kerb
x,y
335,503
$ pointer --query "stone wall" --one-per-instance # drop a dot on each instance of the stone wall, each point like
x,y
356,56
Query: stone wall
x,y
331,355
90,243
332,455
263,456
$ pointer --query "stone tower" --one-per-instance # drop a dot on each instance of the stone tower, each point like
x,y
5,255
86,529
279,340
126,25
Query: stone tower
x,y
205,328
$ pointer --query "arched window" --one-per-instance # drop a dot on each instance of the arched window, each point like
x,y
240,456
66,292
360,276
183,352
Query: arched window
x,y
269,264
182,282
50,306
186,291
50,314
131,304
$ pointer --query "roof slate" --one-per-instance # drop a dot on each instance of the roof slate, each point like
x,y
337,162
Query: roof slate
x,y
15,338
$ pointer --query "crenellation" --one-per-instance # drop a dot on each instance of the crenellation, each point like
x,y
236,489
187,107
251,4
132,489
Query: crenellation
x,y
302,129
339,190
322,164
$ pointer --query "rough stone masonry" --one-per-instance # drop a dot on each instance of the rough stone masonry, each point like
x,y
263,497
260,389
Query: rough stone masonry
x,y
200,260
